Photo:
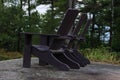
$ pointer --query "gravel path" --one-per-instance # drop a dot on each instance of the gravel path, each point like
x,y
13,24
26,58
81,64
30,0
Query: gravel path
x,y
13,70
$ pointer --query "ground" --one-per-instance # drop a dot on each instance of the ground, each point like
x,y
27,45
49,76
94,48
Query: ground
x,y
13,70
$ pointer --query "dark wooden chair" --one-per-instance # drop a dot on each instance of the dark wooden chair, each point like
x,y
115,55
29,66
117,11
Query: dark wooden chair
x,y
50,48
80,39
71,50
72,33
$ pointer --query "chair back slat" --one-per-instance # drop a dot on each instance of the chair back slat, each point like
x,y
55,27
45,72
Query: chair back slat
x,y
86,28
79,24
71,43
65,27
67,21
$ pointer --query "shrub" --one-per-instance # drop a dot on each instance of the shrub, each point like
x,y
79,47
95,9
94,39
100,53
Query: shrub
x,y
101,54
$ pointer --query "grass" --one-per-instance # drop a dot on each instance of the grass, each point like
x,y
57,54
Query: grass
x,y
6,55
102,55
98,55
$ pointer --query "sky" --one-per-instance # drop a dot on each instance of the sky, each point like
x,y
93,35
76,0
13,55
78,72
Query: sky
x,y
42,8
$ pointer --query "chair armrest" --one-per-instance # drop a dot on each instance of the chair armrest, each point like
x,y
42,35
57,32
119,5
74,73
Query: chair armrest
x,y
57,36
70,37
63,37
43,35
50,35
45,39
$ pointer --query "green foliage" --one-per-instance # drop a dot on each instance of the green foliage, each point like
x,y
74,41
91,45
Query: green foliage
x,y
5,55
51,20
116,27
116,43
106,14
102,54
13,20
49,24
32,23
7,42
9,25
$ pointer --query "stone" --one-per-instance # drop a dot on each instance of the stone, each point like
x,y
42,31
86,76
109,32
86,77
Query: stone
x,y
13,70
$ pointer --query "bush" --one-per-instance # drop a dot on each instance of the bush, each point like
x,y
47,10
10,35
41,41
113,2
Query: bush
x,y
101,54
116,43
8,42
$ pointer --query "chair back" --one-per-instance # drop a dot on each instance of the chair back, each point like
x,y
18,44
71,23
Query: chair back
x,y
65,27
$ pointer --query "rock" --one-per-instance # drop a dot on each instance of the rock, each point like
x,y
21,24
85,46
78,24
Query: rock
x,y
13,70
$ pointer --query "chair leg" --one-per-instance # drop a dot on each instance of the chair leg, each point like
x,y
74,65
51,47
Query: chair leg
x,y
26,58
65,59
49,58
42,63
79,55
27,52
55,62
71,55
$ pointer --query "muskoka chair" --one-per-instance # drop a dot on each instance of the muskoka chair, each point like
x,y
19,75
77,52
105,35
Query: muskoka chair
x,y
71,50
50,48
80,39
68,35
68,48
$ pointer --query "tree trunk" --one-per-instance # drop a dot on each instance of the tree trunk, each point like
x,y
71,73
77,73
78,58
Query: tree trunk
x,y
29,13
112,21
19,29
99,34
72,3
92,31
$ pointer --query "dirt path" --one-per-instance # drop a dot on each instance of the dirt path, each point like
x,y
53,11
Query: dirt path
x,y
12,70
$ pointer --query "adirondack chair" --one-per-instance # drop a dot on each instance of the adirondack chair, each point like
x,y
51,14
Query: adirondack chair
x,y
80,39
70,33
71,50
50,52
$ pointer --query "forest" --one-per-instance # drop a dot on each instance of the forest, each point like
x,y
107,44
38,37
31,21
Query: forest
x,y
18,16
